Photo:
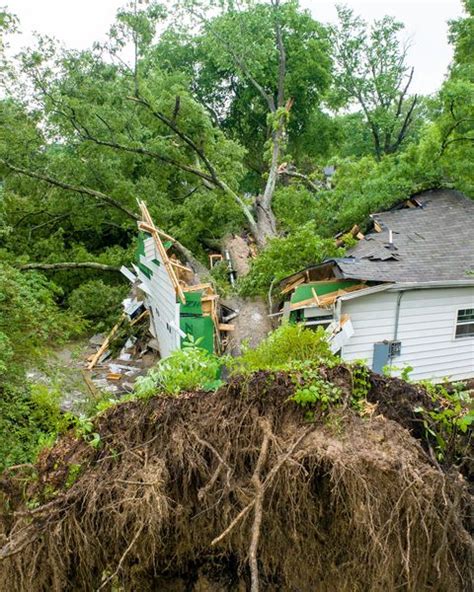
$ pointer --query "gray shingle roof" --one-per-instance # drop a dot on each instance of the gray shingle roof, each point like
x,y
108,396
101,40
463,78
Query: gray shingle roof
x,y
432,242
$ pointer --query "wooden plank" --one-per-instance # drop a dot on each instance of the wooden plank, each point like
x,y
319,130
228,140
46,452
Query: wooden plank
x,y
150,228
327,299
114,376
103,348
303,304
315,296
139,318
293,285
197,287
179,266
226,327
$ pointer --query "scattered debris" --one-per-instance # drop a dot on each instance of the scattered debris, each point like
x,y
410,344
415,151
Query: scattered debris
x,y
165,307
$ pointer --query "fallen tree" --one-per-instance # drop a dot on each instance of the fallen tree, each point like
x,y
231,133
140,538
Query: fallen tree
x,y
237,490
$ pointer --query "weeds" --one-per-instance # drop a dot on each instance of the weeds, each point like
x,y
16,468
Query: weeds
x,y
184,370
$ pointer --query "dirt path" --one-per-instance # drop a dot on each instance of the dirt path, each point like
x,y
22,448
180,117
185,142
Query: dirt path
x,y
253,323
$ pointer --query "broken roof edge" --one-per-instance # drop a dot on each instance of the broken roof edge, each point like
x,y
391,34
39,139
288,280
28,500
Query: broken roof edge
x,y
406,287
325,263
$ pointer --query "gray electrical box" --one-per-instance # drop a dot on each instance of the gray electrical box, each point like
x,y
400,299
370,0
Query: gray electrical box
x,y
384,351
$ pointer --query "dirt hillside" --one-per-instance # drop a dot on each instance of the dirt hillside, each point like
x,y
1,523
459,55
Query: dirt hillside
x,y
236,491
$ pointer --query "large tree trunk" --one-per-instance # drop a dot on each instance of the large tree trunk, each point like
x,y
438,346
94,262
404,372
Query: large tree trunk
x,y
266,221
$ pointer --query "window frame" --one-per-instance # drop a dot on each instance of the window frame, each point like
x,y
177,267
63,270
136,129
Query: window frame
x,y
458,323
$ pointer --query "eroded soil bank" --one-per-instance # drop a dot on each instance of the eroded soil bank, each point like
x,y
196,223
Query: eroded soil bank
x,y
237,490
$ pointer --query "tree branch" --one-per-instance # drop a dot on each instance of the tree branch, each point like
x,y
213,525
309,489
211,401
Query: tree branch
x,y
68,265
98,195
304,178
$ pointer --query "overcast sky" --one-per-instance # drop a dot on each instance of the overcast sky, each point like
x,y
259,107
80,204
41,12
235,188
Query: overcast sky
x,y
78,23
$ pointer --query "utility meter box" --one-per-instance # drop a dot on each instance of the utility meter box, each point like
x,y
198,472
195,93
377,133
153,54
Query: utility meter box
x,y
384,352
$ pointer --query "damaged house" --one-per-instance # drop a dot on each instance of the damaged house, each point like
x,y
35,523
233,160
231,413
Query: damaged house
x,y
403,296
178,308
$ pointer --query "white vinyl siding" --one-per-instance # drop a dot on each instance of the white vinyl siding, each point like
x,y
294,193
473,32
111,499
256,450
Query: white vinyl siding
x,y
427,329
164,310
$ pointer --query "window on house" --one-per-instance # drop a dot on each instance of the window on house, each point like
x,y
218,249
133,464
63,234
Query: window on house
x,y
465,323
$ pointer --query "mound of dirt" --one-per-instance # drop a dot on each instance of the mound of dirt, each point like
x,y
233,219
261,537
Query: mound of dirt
x,y
236,491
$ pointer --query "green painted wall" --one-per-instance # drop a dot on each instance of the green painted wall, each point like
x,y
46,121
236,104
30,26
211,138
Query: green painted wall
x,y
305,292
199,327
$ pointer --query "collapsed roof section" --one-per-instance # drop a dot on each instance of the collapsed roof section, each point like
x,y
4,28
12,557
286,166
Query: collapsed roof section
x,y
427,238
178,308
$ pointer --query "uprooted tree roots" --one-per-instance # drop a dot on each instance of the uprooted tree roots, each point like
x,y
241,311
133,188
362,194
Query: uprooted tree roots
x,y
236,491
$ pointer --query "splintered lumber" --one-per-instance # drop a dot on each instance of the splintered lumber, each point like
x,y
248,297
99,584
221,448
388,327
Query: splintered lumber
x,y
293,285
114,376
315,296
179,266
139,318
197,287
150,228
103,348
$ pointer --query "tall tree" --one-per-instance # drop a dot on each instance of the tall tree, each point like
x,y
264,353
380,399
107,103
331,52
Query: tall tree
x,y
372,73
137,114
455,121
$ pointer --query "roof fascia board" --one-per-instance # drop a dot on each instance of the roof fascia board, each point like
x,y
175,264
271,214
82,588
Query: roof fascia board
x,y
407,286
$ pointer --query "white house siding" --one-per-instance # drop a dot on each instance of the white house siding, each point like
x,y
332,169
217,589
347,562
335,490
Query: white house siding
x,y
426,331
164,309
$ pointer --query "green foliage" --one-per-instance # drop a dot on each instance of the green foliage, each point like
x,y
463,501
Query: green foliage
x,y
237,47
295,206
220,278
316,393
30,320
450,421
371,71
283,347
30,419
74,471
98,302
284,256
186,369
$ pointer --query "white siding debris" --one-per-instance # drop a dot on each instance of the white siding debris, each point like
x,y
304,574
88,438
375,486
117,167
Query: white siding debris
x,y
164,310
426,330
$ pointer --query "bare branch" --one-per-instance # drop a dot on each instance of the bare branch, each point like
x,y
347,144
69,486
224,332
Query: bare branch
x,y
68,265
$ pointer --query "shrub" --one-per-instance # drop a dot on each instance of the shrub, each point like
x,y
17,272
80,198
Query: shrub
x,y
98,302
30,321
283,347
184,370
284,256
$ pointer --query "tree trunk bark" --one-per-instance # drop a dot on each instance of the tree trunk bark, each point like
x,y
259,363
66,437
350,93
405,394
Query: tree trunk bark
x,y
266,221
266,224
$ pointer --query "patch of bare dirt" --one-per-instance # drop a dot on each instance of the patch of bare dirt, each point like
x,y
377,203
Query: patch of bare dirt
x,y
252,324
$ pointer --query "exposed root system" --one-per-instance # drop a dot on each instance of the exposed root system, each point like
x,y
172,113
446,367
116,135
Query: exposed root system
x,y
237,491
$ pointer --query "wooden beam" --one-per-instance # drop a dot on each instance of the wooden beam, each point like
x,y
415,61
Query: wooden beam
x,y
103,348
179,266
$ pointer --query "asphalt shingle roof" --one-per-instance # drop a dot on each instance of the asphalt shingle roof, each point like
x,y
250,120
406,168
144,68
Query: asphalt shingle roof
x,y
431,242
